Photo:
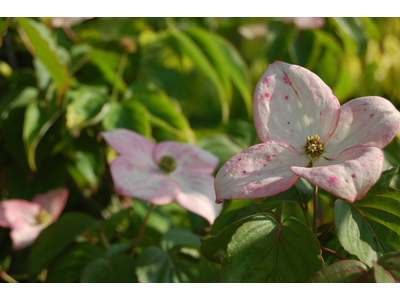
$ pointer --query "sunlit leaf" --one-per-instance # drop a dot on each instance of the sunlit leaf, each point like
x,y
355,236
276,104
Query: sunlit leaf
x,y
38,120
195,53
130,115
369,228
47,56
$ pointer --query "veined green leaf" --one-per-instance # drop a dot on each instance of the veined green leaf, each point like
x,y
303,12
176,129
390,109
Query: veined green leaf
x,y
343,271
264,250
370,227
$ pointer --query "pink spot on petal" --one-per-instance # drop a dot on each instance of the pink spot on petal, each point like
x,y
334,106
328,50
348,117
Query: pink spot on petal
x,y
365,109
371,115
265,165
286,80
288,123
266,95
258,188
334,179
320,114
353,175
266,80
244,172
347,180
286,97
291,130
239,159
365,103
129,167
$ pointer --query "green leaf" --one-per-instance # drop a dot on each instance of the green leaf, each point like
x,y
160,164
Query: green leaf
x,y
130,115
47,56
154,265
387,268
119,270
110,224
214,247
221,146
206,42
344,271
178,238
53,239
298,193
194,52
234,210
335,245
380,274
178,265
386,177
68,265
87,108
264,250
97,271
164,115
107,62
38,120
370,227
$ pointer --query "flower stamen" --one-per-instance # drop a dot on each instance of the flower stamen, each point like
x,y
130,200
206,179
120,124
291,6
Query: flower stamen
x,y
314,147
43,217
167,163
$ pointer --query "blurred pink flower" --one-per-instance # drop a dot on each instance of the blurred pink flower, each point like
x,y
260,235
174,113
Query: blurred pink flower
x,y
306,22
164,172
299,120
27,219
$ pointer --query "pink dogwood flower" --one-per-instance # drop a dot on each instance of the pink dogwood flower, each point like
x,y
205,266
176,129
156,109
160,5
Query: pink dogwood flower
x,y
27,219
164,172
299,120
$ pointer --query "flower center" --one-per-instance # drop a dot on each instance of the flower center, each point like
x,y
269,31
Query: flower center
x,y
314,147
167,163
43,217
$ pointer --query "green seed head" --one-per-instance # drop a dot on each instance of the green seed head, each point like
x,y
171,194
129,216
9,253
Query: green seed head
x,y
167,164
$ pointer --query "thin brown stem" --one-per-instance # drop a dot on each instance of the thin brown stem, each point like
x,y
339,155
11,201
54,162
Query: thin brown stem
x,y
333,253
326,231
7,278
142,228
305,212
315,208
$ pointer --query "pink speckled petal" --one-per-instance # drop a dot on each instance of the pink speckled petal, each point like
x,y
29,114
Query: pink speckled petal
x,y
15,210
3,220
132,144
24,234
198,194
147,184
53,201
259,171
187,156
349,176
368,121
291,103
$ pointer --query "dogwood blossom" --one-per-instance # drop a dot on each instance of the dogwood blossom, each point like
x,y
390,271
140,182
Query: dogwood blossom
x,y
164,172
299,120
27,219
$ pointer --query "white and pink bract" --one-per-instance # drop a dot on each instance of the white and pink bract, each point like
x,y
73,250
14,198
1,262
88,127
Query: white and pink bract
x,y
27,219
290,104
140,172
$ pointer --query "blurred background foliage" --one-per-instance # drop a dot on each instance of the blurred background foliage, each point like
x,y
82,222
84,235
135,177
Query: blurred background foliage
x,y
63,80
